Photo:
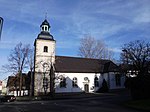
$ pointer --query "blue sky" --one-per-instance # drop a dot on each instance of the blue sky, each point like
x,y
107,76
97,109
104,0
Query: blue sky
x,y
116,22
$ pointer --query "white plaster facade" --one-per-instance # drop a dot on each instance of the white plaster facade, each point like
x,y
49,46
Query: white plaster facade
x,y
16,93
3,87
109,77
43,58
80,82
48,57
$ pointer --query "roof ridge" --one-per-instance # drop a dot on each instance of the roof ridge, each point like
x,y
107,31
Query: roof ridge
x,y
83,58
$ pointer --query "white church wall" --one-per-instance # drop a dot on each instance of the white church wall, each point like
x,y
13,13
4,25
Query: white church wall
x,y
23,93
44,57
123,78
80,81
4,88
41,58
112,81
40,45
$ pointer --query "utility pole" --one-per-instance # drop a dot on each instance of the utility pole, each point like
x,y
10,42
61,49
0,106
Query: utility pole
x,y
1,25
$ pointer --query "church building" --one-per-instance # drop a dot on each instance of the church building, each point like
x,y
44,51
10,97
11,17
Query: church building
x,y
61,74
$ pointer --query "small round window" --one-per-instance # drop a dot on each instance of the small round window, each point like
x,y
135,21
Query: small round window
x,y
86,78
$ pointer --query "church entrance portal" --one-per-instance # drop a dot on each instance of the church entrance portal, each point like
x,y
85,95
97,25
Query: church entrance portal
x,y
86,88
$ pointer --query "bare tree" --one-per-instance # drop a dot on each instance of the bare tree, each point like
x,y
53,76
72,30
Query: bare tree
x,y
92,48
108,54
30,59
17,61
137,54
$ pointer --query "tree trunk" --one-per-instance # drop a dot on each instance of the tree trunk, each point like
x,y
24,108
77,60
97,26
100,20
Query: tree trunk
x,y
52,81
20,83
31,84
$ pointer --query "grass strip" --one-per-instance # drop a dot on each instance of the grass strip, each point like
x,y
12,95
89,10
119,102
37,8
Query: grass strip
x,y
139,104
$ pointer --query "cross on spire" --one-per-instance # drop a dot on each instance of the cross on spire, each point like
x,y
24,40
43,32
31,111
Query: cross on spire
x,y
46,15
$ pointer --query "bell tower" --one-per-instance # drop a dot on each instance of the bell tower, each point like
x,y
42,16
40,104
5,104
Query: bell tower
x,y
44,57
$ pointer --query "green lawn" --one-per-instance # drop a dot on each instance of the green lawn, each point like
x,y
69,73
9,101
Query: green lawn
x,y
139,104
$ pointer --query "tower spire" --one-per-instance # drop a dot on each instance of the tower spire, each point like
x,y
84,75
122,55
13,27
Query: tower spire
x,y
45,30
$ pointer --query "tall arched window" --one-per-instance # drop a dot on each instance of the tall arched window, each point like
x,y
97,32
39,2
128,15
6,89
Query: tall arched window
x,y
96,81
62,82
45,49
74,82
118,79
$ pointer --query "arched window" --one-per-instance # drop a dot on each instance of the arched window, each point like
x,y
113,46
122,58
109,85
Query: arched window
x,y
118,79
46,28
42,28
96,81
62,82
45,49
74,82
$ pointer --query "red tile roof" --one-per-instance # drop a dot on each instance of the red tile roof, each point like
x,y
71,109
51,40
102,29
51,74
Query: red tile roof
x,y
83,65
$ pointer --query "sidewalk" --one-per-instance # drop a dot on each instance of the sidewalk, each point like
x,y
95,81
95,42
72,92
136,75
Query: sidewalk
x,y
87,95
61,96
80,95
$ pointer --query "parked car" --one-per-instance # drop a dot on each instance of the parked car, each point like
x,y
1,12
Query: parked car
x,y
7,98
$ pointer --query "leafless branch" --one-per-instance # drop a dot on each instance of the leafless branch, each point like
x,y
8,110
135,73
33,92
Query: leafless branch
x,y
91,48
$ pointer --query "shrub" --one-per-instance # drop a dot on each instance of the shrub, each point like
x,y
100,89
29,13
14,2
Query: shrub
x,y
104,87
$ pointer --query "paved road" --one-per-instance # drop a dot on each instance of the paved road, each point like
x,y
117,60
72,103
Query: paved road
x,y
101,103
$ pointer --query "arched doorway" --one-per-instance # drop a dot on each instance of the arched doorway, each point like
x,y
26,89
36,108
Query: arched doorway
x,y
86,88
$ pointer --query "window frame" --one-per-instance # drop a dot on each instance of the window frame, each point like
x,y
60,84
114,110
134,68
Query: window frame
x,y
45,49
62,82
75,82
96,81
118,79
